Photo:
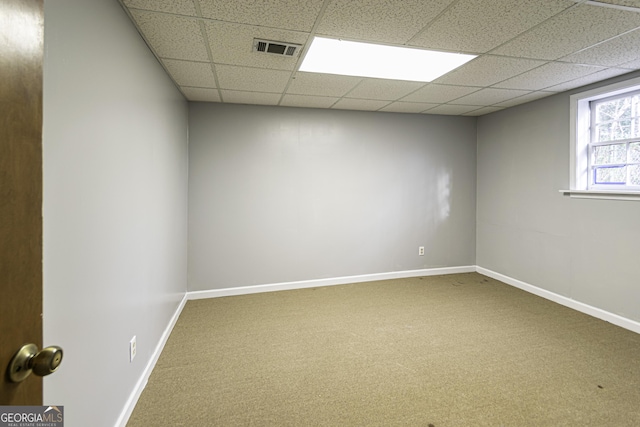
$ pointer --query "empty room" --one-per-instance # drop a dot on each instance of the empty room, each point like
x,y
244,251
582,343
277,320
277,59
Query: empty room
x,y
229,229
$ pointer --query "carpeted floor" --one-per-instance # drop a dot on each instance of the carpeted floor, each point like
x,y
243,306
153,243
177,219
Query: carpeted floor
x,y
455,350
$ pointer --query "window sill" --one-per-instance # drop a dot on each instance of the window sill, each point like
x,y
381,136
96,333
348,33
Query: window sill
x,y
602,194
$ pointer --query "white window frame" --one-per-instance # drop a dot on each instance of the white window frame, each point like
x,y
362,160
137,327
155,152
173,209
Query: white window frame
x,y
580,134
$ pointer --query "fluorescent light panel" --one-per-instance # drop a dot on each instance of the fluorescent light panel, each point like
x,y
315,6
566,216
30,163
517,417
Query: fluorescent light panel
x,y
332,56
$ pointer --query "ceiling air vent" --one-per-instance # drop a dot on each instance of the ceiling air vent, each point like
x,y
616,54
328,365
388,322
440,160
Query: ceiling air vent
x,y
277,48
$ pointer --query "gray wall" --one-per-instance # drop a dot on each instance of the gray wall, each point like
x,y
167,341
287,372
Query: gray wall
x,y
115,205
586,250
282,194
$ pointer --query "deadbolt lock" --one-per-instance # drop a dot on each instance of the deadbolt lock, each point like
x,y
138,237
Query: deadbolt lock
x,y
28,359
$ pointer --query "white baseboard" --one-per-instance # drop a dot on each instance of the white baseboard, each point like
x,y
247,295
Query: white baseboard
x,y
243,290
623,322
142,382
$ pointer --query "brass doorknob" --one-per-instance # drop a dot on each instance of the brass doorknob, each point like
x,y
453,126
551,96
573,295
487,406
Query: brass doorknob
x,y
28,359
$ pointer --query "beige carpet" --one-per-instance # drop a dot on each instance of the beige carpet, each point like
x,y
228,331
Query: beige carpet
x,y
456,350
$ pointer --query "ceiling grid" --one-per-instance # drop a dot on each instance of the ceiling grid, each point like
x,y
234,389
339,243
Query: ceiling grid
x,y
527,49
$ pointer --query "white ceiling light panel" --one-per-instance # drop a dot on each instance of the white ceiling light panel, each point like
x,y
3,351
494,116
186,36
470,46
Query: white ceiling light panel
x,y
332,56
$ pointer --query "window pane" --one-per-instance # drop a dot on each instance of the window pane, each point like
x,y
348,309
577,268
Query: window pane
x,y
622,130
604,132
634,175
613,131
610,175
617,119
617,109
609,154
634,152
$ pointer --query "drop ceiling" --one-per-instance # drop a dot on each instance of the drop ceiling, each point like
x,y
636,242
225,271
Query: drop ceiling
x,y
527,49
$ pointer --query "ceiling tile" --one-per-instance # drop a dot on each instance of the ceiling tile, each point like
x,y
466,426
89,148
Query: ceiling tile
x,y
548,75
490,96
308,101
391,21
232,44
571,31
439,94
482,111
532,96
239,97
180,7
172,36
452,109
288,14
408,107
615,52
322,84
359,104
383,89
580,39
186,73
480,25
251,79
487,70
591,78
632,65
201,94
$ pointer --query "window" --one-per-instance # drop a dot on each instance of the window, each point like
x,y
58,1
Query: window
x,y
605,142
614,143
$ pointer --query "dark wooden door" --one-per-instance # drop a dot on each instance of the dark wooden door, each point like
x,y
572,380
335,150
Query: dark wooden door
x,y
21,57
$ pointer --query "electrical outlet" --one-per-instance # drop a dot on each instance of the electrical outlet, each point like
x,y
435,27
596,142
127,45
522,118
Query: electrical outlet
x,y
421,250
132,349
